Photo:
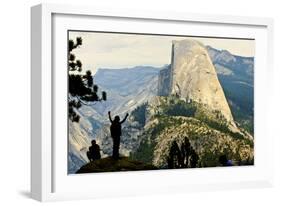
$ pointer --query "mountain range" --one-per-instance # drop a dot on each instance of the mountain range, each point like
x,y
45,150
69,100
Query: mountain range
x,y
130,89
236,75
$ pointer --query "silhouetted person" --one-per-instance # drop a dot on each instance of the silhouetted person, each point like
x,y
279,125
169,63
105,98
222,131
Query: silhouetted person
x,y
94,151
193,158
174,159
182,156
185,150
224,161
115,130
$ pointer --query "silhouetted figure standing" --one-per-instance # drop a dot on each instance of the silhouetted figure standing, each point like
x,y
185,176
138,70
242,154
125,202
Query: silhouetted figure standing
x,y
185,150
94,151
175,157
193,158
115,130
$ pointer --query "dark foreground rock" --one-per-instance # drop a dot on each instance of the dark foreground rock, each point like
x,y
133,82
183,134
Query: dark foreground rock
x,y
108,164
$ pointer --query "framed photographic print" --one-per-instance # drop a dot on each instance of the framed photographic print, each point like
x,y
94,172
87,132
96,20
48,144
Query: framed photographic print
x,y
135,102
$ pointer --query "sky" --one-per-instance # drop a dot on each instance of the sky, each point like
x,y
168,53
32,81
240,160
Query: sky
x,y
115,50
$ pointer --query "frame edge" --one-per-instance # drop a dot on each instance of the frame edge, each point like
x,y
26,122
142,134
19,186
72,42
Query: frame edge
x,y
38,14
36,109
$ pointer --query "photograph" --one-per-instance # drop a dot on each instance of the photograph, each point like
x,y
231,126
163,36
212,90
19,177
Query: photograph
x,y
139,102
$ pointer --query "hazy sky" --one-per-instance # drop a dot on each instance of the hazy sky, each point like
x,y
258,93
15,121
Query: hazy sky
x,y
107,50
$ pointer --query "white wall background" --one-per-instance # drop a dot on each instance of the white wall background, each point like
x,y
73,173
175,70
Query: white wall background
x,y
15,95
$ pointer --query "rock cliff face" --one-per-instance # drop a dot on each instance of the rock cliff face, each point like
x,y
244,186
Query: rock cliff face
x,y
193,77
164,81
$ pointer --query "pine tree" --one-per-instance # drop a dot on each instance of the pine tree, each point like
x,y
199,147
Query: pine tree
x,y
82,90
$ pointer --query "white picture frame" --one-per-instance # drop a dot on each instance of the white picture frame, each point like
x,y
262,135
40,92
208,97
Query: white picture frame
x,y
49,178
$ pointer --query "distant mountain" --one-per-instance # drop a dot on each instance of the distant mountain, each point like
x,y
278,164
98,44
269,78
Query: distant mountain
x,y
240,67
236,75
126,90
126,81
193,77
194,106
129,90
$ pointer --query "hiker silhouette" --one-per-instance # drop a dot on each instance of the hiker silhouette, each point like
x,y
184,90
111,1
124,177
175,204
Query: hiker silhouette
x,y
94,151
185,157
175,157
115,130
224,161
185,150
193,158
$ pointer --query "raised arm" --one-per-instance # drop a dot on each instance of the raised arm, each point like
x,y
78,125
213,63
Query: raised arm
x,y
109,117
124,118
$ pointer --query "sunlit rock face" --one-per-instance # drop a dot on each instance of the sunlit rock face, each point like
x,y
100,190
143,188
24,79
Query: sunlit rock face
x,y
164,81
194,77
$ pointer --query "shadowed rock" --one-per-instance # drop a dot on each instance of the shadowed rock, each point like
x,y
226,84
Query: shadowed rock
x,y
108,164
